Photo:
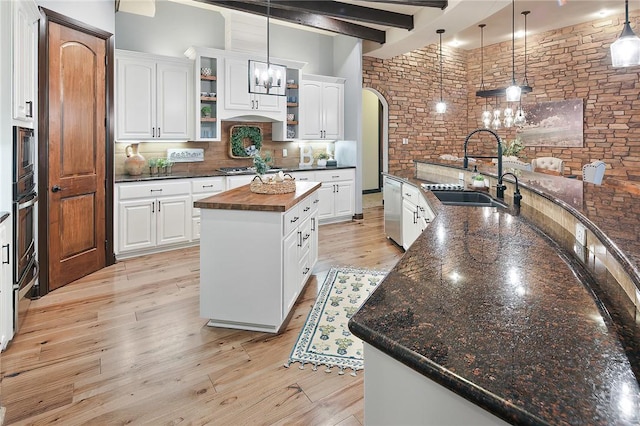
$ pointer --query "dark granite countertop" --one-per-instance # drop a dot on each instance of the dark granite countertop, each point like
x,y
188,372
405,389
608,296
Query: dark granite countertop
x,y
3,216
492,309
212,173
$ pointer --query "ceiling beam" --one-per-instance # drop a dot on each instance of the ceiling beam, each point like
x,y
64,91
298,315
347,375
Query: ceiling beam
x,y
307,19
336,9
439,4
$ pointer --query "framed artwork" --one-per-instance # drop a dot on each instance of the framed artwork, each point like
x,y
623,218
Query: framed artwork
x,y
556,123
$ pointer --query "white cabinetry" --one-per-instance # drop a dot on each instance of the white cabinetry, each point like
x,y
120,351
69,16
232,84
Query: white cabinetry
x,y
152,216
337,194
237,97
203,188
416,214
206,64
6,286
153,97
254,264
321,107
24,33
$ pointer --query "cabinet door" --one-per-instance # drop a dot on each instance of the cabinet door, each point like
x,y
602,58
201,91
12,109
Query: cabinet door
x,y
137,224
313,241
327,200
6,287
333,110
290,284
173,100
410,226
135,98
173,220
311,110
24,51
236,85
344,199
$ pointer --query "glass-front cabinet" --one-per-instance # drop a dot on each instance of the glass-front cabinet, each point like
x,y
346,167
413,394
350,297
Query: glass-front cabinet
x,y
207,63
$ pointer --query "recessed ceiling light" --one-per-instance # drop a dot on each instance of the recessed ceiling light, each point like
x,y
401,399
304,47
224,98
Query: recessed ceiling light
x,y
455,43
603,12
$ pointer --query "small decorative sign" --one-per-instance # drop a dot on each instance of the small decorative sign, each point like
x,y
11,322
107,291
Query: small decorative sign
x,y
185,155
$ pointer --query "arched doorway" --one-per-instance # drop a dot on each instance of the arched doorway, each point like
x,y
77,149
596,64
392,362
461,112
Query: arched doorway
x,y
375,139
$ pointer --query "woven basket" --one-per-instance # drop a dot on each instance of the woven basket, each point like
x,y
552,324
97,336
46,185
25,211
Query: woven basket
x,y
270,186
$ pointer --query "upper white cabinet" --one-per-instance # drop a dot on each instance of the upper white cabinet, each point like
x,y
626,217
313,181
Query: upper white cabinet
x,y
237,97
153,97
25,16
207,63
321,107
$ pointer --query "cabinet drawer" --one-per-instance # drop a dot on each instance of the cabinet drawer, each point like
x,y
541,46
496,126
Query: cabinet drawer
x,y
305,208
335,175
304,176
146,190
291,219
410,193
207,185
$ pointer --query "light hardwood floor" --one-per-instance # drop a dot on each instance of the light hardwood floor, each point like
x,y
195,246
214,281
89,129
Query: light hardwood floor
x,y
126,345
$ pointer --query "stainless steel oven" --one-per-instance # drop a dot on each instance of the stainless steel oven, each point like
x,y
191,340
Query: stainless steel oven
x,y
25,201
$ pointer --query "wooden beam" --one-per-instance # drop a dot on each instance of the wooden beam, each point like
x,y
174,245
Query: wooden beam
x,y
439,4
306,19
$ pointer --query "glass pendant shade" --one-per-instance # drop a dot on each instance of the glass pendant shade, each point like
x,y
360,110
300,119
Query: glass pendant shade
x,y
513,93
441,107
496,123
520,119
625,51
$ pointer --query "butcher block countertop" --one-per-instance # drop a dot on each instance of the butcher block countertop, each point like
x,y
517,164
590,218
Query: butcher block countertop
x,y
242,198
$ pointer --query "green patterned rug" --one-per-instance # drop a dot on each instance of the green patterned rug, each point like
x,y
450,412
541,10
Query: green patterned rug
x,y
325,338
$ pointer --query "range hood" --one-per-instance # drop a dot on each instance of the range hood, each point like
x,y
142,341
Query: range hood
x,y
252,118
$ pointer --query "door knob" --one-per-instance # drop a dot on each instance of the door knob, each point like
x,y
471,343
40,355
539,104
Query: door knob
x,y
56,188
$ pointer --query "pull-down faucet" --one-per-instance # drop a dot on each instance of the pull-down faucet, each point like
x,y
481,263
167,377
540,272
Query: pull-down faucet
x,y
499,157
501,187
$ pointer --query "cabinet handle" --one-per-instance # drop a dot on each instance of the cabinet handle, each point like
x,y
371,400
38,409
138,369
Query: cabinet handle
x,y
313,223
6,246
253,104
337,188
306,209
299,238
153,207
316,201
159,205
306,237
295,219
306,271
153,132
156,190
207,186
158,131
335,177
415,217
30,109
257,105
303,178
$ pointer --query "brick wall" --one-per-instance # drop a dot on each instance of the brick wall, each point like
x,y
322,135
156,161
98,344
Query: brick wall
x,y
568,63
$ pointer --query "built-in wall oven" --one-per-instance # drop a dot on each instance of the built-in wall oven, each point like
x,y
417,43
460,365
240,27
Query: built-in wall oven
x,y
25,201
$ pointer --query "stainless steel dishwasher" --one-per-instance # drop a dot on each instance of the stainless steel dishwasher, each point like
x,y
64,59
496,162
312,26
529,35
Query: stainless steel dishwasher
x,y
393,209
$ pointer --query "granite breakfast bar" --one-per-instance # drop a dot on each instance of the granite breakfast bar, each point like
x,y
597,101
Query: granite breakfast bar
x,y
487,319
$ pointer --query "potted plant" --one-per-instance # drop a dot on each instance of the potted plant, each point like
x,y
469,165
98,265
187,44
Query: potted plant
x,y
162,166
153,166
322,158
168,165
260,164
512,149
478,181
205,111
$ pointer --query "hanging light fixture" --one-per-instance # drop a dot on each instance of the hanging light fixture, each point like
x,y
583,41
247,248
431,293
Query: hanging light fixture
x,y
625,51
265,77
520,118
441,107
486,114
513,92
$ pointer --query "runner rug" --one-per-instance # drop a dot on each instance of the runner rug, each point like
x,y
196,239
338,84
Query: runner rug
x,y
325,338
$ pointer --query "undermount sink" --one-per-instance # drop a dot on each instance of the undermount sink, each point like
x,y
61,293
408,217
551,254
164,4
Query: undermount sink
x,y
467,198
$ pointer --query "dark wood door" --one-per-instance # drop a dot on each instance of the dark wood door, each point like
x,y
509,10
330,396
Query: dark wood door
x,y
76,154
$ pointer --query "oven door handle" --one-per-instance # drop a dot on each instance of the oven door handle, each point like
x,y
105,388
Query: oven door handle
x,y
30,202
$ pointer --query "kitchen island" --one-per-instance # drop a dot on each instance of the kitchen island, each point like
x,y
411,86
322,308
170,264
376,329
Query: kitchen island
x,y
256,254
486,319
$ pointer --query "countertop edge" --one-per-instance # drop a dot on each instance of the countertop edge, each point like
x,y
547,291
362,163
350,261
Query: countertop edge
x,y
3,216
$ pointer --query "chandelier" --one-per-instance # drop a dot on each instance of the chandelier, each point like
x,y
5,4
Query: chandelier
x,y
265,77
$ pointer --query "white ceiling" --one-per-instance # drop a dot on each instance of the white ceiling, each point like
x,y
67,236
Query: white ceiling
x,y
461,18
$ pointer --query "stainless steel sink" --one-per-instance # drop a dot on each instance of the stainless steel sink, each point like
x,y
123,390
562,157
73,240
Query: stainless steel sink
x,y
467,198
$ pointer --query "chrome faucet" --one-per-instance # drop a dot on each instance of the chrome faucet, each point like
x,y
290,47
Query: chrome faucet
x,y
501,187
466,141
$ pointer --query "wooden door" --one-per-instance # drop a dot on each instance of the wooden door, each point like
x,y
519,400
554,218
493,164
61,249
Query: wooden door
x,y
76,153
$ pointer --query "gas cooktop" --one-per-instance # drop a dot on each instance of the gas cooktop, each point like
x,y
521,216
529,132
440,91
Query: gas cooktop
x,y
232,170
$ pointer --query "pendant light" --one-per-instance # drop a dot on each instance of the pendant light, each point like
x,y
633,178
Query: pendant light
x,y
441,107
266,77
625,51
520,120
486,114
513,92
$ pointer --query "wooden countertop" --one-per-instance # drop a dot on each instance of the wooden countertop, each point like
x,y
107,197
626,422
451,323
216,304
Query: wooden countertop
x,y
242,198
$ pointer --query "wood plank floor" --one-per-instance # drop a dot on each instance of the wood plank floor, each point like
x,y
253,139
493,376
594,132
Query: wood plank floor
x,y
126,345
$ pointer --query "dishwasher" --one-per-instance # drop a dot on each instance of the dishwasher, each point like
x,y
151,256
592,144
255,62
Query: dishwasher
x,y
392,194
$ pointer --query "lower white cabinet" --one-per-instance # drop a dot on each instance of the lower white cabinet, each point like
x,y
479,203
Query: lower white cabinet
x,y
416,214
6,285
153,215
337,194
203,188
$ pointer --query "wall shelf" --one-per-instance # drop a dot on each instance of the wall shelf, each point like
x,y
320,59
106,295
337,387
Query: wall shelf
x,y
208,119
209,77
208,99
